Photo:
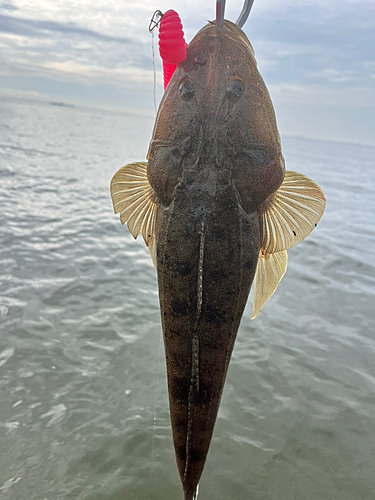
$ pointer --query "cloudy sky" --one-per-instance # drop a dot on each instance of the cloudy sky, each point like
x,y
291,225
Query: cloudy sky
x,y
316,56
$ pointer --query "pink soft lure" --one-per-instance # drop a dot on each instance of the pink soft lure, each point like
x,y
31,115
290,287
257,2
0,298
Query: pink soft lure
x,y
172,45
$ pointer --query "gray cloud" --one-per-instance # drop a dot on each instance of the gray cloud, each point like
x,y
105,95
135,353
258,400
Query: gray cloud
x,y
6,6
315,44
314,53
37,28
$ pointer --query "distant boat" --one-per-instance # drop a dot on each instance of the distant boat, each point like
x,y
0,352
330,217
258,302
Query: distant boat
x,y
62,104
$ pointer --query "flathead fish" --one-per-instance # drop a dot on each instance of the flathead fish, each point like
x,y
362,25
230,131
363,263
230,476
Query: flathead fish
x,y
218,211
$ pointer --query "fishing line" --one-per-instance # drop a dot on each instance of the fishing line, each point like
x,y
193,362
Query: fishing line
x,y
156,405
154,23
154,70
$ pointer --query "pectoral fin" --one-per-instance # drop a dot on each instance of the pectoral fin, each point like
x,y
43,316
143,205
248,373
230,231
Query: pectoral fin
x,y
270,269
134,199
291,213
287,217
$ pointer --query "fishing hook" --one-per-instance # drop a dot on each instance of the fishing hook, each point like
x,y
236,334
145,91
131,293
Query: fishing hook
x,y
220,9
155,20
242,18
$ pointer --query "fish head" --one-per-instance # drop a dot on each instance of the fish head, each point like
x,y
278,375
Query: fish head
x,y
217,105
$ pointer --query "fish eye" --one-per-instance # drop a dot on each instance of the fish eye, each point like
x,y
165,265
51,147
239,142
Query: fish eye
x,y
186,89
235,90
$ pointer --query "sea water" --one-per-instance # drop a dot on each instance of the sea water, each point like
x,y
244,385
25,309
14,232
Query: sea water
x,y
83,396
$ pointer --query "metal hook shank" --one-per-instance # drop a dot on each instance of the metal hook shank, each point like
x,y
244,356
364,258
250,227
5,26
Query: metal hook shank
x,y
220,9
242,18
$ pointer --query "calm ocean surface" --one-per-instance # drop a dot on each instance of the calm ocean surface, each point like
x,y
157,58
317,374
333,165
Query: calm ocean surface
x,y
83,396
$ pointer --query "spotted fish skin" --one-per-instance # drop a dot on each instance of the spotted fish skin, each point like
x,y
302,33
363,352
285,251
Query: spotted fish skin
x,y
199,338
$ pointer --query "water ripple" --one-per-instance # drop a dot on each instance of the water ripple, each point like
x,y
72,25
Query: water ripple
x,y
84,404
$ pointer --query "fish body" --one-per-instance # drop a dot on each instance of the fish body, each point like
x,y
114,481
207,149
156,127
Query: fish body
x,y
208,236
215,208
207,252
